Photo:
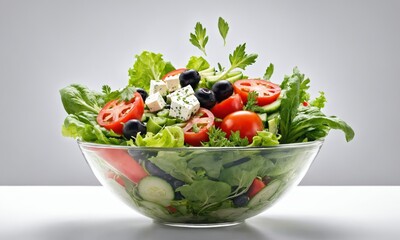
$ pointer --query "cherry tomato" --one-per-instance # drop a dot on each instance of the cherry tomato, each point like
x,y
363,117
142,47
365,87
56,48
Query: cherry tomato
x,y
196,130
174,72
267,91
255,187
246,122
306,104
116,112
231,104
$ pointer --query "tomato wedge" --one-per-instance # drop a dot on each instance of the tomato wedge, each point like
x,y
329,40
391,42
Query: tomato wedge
x,y
116,112
266,90
231,104
255,187
196,130
174,72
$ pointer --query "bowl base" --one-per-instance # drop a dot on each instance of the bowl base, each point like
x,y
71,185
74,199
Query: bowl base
x,y
200,225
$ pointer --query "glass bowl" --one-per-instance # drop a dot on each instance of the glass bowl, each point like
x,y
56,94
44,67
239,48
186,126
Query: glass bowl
x,y
200,186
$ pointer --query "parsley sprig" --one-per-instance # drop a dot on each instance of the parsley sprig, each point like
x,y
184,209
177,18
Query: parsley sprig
x,y
251,104
199,38
217,138
223,28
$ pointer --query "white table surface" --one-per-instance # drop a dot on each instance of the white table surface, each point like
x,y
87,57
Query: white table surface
x,y
52,213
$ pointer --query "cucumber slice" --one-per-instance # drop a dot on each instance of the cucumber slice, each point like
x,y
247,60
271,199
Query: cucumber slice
x,y
152,126
263,117
208,70
265,194
272,107
273,125
163,113
156,190
235,78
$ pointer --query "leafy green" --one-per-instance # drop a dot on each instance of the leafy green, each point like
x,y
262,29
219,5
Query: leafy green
x,y
264,139
305,123
251,104
83,126
175,165
205,191
171,136
197,63
217,138
77,98
223,28
242,175
212,165
312,119
240,59
199,38
269,71
319,101
148,66
127,93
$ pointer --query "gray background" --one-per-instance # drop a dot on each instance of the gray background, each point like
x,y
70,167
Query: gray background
x,y
350,49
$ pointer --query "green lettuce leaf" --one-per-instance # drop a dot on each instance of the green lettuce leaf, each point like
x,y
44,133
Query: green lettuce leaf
x,y
148,66
77,98
205,191
264,139
170,136
197,63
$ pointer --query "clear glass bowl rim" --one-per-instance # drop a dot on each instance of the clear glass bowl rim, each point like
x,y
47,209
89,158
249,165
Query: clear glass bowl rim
x,y
314,143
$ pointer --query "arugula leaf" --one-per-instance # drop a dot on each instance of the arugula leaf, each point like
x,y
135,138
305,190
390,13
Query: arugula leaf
x,y
269,71
77,98
289,104
319,101
205,191
240,59
223,28
148,66
197,63
199,38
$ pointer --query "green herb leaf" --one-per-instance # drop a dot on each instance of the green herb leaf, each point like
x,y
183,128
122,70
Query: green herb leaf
x,y
240,59
217,138
199,38
148,66
251,104
197,63
220,68
269,71
106,89
237,140
127,93
223,28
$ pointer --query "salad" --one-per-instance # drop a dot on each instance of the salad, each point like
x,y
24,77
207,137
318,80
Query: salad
x,y
199,106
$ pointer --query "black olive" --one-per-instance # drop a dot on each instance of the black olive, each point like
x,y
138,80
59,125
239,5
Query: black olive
x,y
189,77
153,170
222,90
132,128
206,98
241,201
142,93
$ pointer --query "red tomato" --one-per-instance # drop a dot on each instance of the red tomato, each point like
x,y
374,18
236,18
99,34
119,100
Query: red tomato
x,y
121,161
203,120
174,72
246,122
255,187
306,104
267,91
115,113
110,174
231,104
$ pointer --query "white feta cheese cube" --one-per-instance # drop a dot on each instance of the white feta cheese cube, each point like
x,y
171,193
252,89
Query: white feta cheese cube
x,y
158,86
173,83
155,102
184,107
182,92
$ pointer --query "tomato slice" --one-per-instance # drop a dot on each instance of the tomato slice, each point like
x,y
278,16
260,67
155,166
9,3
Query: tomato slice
x,y
246,122
266,90
116,112
196,130
231,104
174,72
255,187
